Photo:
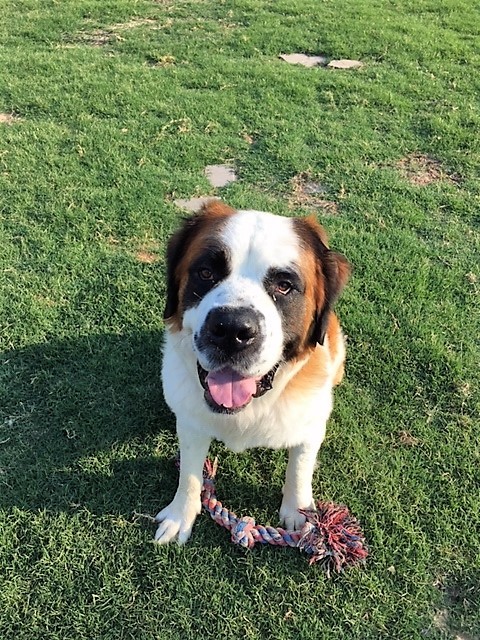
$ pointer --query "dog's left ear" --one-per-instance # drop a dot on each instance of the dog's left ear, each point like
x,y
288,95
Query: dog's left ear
x,y
333,271
336,271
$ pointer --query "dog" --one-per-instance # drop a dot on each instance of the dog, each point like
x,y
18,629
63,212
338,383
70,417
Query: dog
x,y
252,348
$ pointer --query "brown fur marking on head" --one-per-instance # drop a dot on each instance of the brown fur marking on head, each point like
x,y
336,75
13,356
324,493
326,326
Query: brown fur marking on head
x,y
216,209
325,279
183,247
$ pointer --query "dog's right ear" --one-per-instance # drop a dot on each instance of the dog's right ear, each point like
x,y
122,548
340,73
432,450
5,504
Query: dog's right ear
x,y
178,248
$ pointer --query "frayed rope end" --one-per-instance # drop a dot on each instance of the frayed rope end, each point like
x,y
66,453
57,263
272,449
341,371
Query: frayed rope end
x,y
332,537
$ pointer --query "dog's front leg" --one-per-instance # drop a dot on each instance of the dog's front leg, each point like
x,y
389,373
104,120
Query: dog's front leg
x,y
176,520
297,490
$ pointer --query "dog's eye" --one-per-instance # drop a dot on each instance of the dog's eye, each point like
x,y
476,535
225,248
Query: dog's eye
x,y
284,287
205,274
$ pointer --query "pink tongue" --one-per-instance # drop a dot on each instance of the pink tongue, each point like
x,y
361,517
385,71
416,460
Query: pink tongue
x,y
229,389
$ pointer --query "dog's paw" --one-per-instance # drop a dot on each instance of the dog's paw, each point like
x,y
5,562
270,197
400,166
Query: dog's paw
x,y
290,516
176,521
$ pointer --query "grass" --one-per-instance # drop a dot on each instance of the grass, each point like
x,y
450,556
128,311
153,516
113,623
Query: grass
x,y
111,111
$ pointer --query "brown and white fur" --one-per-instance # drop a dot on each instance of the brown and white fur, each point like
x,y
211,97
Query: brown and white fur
x,y
252,348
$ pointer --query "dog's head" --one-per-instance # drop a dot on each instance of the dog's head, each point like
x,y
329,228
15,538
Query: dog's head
x,y
253,290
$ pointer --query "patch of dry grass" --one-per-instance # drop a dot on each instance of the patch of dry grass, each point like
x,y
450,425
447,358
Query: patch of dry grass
x,y
309,193
421,170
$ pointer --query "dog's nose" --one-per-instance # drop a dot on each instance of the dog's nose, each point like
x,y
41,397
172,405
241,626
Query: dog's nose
x,y
232,329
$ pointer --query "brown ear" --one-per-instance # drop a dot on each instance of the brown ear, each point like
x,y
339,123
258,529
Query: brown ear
x,y
176,249
333,271
179,244
336,271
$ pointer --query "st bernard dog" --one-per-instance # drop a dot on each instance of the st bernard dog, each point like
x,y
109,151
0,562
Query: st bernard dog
x,y
252,348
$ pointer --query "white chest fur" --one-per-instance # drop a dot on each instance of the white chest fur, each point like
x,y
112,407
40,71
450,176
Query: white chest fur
x,y
275,420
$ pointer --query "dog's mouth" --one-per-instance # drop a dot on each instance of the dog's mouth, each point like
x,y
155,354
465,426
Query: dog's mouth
x,y
227,391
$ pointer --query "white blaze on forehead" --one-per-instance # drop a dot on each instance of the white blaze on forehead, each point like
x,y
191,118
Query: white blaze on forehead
x,y
259,241
256,242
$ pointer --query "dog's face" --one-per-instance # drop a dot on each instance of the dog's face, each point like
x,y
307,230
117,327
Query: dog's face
x,y
252,290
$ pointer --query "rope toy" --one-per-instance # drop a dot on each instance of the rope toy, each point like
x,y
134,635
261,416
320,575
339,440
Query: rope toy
x,y
331,535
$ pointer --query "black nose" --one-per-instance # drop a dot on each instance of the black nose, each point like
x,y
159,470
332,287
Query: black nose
x,y
232,330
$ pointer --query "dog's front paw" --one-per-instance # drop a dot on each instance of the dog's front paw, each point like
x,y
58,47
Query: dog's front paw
x,y
176,521
290,516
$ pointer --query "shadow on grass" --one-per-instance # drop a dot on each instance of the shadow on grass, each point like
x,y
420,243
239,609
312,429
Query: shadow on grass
x,y
83,425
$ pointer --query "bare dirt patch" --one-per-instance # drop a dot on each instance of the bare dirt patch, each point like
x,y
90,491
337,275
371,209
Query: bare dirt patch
x,y
459,592
421,170
134,23
310,193
146,251
8,118
146,257
111,34
441,622
406,439
161,61
95,38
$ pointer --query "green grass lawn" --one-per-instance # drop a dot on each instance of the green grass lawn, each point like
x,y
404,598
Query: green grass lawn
x,y
109,111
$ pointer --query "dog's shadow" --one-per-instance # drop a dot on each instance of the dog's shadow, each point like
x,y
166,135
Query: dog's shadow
x,y
83,425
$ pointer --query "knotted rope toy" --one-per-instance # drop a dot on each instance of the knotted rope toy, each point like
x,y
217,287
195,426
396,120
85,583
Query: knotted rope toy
x,y
331,535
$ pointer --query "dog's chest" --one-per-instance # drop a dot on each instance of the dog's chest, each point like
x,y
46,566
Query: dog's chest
x,y
276,420
280,429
